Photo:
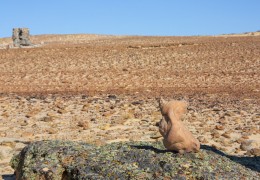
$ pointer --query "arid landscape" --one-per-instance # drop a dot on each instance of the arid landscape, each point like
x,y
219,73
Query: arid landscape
x,y
101,89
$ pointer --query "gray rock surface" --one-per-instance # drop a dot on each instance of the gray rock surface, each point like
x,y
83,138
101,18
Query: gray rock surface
x,y
21,37
131,160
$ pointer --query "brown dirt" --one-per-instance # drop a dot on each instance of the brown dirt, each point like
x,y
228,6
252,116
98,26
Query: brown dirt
x,y
148,65
60,89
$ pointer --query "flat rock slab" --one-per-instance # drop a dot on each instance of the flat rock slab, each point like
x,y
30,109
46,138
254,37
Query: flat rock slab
x,y
128,160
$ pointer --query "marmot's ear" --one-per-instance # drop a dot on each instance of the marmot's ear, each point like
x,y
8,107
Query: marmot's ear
x,y
180,108
161,102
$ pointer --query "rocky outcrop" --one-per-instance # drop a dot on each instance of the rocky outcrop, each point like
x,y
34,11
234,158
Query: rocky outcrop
x,y
131,160
21,37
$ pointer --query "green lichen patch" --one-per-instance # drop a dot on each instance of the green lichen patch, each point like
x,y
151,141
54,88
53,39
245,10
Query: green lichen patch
x,y
126,160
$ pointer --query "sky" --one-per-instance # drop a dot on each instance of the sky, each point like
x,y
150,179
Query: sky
x,y
130,17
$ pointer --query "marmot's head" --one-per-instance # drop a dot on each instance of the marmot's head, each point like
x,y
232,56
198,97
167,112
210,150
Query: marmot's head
x,y
177,107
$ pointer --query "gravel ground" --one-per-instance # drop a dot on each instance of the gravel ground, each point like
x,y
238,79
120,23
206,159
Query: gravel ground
x,y
103,89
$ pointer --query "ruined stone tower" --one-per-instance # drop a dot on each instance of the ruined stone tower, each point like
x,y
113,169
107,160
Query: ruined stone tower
x,y
21,37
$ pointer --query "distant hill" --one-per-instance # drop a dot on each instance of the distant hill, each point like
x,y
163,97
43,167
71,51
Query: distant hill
x,y
257,33
83,38
60,38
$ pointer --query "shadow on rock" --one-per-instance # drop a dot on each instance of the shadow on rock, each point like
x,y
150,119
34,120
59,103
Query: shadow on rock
x,y
252,163
8,177
152,149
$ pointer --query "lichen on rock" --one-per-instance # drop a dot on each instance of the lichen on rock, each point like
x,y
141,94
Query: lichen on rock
x,y
124,160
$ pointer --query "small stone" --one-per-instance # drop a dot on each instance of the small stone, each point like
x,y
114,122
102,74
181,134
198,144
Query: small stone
x,y
204,141
156,136
99,142
84,96
225,142
153,128
54,125
215,134
8,143
214,146
238,128
185,166
111,96
223,122
3,134
45,169
200,138
230,113
93,120
245,137
226,135
248,145
135,138
237,150
29,115
107,114
145,120
83,124
46,119
138,115
248,153
5,153
34,126
52,131
207,129
27,134
105,127
24,123
218,127
216,109
223,149
85,107
62,111
140,102
5,114
240,140
255,119
2,155
255,151
53,115
238,120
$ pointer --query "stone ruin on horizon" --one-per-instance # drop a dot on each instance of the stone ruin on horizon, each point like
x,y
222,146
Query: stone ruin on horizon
x,y
21,37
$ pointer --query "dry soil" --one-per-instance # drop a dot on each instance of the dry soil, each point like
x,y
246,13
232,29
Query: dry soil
x,y
103,89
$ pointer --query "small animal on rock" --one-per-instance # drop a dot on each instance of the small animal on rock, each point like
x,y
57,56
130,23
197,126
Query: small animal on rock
x,y
176,136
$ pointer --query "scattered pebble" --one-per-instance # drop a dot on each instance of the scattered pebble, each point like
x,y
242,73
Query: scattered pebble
x,y
83,124
226,135
254,151
46,119
247,145
218,127
101,120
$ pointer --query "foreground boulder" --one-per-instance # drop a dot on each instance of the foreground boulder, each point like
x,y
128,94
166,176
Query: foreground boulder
x,y
131,160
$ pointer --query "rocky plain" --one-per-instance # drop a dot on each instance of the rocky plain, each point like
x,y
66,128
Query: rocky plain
x,y
103,89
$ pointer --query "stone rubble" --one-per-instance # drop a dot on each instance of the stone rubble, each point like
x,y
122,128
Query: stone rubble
x,y
106,119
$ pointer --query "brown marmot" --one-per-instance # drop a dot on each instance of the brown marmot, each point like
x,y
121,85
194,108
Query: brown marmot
x,y
176,136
